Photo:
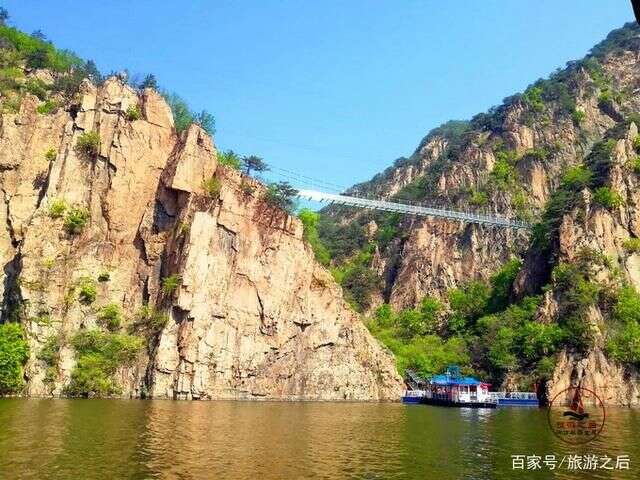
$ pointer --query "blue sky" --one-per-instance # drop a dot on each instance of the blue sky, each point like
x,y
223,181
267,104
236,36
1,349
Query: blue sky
x,y
334,89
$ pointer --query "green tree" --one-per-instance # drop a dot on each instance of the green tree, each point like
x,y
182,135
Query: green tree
x,y
149,81
281,195
182,116
206,121
254,163
467,304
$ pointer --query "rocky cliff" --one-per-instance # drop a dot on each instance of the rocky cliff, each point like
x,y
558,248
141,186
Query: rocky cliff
x,y
514,160
138,266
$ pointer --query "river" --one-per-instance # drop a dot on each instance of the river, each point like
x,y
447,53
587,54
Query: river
x,y
137,439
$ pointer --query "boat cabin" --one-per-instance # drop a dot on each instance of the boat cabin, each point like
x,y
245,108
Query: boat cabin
x,y
453,387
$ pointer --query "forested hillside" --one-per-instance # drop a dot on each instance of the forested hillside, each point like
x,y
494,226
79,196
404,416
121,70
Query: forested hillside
x,y
518,308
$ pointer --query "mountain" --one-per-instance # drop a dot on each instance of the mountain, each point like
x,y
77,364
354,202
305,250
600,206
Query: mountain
x,y
527,309
136,264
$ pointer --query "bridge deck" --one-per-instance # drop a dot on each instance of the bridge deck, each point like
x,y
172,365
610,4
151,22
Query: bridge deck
x,y
413,209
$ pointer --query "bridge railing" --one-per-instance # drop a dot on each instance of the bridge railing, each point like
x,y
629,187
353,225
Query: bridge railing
x,y
413,209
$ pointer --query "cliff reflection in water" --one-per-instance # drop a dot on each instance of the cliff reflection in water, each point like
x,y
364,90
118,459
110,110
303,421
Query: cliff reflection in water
x,y
105,439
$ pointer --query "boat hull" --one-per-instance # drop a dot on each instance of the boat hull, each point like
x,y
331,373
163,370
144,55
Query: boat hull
x,y
450,403
413,400
518,402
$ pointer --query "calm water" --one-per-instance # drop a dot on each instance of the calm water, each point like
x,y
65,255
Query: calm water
x,y
113,439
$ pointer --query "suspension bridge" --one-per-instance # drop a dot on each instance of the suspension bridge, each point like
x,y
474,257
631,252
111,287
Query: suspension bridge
x,y
321,191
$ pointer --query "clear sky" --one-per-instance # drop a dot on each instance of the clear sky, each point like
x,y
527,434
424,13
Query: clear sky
x,y
335,89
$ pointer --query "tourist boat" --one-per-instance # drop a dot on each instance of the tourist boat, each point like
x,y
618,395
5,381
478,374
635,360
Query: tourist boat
x,y
450,389
453,389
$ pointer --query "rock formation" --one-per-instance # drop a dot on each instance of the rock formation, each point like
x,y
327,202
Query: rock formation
x,y
250,314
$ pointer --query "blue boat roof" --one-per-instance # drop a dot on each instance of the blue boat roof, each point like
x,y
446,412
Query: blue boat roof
x,y
448,380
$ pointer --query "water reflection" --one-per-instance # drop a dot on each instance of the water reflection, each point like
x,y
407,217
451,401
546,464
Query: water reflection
x,y
75,439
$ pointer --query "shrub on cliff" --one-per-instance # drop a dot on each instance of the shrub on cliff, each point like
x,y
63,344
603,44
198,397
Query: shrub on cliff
x,y
51,154
57,207
479,198
624,339
171,283
88,144
360,282
607,197
310,220
229,159
149,320
75,220
110,317
212,187
632,245
133,113
14,352
87,290
99,355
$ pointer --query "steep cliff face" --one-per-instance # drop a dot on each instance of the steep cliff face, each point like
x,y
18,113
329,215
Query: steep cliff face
x,y
111,221
513,161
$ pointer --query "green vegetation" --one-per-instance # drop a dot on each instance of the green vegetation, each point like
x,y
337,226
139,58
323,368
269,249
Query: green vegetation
x,y
184,117
254,163
49,106
57,207
310,220
51,154
635,165
75,220
87,290
17,50
342,240
133,113
281,195
14,352
624,340
104,276
636,142
110,317
88,145
479,198
99,356
212,187
481,330
229,159
577,178
533,98
149,320
357,279
50,355
607,197
171,283
578,117
632,245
